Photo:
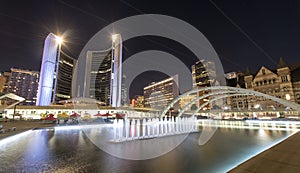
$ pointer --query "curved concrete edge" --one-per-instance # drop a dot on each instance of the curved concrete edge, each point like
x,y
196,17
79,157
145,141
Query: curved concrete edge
x,y
281,157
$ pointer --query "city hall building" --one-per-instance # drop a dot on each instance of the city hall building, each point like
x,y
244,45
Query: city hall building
x,y
282,82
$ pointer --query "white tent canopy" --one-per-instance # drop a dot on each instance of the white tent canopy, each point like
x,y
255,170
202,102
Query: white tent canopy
x,y
12,96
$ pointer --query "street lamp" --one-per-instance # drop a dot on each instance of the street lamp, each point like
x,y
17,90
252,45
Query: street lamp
x,y
59,40
114,37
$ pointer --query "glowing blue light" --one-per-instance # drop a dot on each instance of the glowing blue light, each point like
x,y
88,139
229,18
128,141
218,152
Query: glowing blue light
x,y
256,152
67,127
4,142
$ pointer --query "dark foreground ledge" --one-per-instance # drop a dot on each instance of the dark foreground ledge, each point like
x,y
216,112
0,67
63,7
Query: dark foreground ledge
x,y
283,157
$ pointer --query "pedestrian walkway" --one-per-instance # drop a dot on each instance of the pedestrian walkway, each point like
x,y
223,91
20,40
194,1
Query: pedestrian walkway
x,y
20,126
283,157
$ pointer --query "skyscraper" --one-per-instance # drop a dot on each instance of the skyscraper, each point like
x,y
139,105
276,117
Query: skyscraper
x,y
98,75
64,75
56,73
116,80
48,68
204,75
103,75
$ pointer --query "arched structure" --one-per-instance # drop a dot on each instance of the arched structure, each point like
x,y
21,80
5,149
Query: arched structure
x,y
217,90
215,99
210,101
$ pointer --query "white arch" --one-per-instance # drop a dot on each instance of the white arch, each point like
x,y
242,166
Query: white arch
x,y
191,92
237,90
202,97
214,99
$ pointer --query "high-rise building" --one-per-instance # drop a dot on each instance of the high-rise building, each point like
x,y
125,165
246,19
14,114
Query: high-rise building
x,y
236,79
48,69
24,83
103,76
64,75
98,75
158,95
124,95
204,75
116,79
56,73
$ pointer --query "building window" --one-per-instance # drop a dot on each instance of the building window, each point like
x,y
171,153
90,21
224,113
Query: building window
x,y
265,82
284,78
263,71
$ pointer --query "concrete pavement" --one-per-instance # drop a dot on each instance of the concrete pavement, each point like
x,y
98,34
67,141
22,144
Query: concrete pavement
x,y
283,157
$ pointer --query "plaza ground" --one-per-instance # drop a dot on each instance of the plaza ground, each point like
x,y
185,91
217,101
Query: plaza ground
x,y
283,157
21,126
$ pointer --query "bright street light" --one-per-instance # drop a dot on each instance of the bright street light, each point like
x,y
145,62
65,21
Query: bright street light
x,y
114,37
59,40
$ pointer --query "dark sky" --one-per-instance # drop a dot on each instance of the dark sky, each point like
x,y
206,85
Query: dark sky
x,y
243,32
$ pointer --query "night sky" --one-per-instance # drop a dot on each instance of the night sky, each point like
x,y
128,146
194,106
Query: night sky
x,y
244,33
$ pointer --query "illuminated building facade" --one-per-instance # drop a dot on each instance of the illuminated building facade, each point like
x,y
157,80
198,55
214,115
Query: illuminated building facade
x,y
116,79
236,79
158,95
137,101
204,75
103,76
124,95
3,81
98,76
56,73
186,100
48,70
64,77
24,83
283,82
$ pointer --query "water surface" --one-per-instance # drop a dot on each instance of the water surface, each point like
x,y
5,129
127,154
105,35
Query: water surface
x,y
72,151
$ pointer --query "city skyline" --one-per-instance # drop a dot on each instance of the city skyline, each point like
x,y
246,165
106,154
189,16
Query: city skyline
x,y
240,43
238,36
149,86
